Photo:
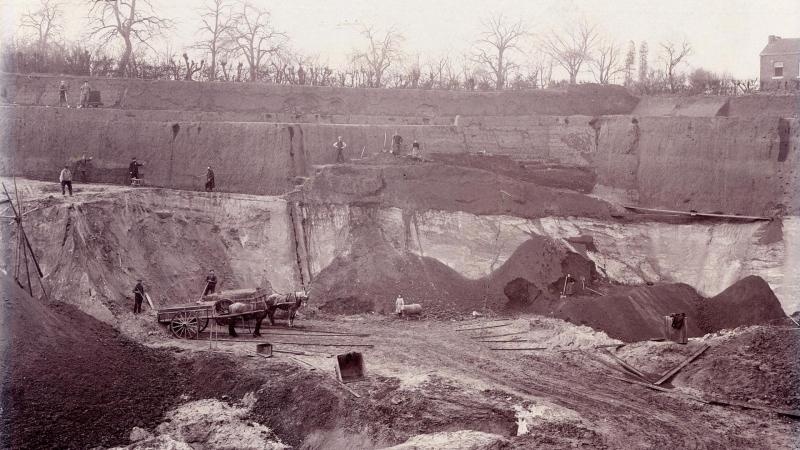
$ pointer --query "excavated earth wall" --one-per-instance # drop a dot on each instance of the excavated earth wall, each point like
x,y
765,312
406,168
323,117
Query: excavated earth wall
x,y
726,164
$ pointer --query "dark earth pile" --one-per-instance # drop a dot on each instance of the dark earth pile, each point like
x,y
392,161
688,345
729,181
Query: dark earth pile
x,y
749,301
757,364
70,381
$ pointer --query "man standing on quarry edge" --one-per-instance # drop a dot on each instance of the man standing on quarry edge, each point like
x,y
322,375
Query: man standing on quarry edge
x,y
211,283
133,168
209,179
340,146
138,297
85,89
65,178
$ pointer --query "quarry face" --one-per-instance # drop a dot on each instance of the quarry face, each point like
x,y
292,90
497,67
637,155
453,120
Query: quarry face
x,y
544,232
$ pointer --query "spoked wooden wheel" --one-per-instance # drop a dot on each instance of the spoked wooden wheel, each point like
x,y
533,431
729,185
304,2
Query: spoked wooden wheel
x,y
185,325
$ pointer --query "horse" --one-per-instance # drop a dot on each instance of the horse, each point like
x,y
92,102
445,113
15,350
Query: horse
x,y
266,307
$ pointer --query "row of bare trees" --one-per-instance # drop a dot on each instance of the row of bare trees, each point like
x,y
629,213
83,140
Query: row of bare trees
x,y
237,41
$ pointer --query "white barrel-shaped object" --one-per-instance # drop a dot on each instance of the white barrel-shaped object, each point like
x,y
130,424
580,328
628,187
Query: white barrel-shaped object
x,y
413,309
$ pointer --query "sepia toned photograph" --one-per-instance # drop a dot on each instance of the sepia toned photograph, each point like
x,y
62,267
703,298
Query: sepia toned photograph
x,y
409,225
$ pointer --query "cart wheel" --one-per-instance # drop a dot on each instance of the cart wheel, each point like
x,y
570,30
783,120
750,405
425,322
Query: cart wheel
x,y
185,326
203,321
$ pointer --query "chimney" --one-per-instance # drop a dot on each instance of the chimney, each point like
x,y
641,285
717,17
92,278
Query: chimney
x,y
773,38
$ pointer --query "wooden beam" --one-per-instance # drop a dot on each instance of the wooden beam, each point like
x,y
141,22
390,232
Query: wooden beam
x,y
784,412
641,383
518,349
498,335
628,367
696,214
484,328
680,366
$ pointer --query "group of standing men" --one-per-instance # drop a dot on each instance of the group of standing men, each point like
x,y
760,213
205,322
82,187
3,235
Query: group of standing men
x,y
84,91
397,147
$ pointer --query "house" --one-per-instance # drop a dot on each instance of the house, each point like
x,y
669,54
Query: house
x,y
780,64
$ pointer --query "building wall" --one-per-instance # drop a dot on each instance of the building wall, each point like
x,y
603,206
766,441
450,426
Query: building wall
x,y
791,72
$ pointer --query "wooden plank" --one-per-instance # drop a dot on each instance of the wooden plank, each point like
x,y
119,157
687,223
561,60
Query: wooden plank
x,y
680,366
491,336
524,348
149,302
485,327
697,214
628,367
312,344
784,412
641,383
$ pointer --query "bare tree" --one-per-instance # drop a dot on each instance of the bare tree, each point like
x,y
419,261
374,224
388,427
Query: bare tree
x,y
672,57
217,22
253,36
132,21
498,38
192,67
541,69
382,51
571,47
606,62
630,60
45,22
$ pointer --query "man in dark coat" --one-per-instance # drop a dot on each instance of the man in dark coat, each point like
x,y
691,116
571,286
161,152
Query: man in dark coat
x,y
211,283
138,297
133,168
209,179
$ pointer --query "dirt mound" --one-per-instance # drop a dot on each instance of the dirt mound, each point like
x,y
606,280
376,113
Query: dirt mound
x,y
749,301
436,186
632,313
374,273
65,371
757,364
371,276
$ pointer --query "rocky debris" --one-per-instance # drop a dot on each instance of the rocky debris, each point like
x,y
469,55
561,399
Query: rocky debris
x,y
521,293
452,440
210,424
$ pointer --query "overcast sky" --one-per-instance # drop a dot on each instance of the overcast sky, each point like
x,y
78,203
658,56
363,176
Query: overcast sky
x,y
726,35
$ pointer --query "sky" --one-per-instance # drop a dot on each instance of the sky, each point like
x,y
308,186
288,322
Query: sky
x,y
725,35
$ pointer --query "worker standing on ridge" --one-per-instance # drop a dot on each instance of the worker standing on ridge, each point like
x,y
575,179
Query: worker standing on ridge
x,y
415,149
138,297
397,143
62,94
340,145
133,169
209,179
211,283
65,178
85,89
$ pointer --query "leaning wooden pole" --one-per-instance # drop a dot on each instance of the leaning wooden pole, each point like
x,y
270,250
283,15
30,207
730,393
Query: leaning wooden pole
x,y
27,244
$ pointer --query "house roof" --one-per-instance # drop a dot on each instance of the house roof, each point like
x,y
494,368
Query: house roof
x,y
786,46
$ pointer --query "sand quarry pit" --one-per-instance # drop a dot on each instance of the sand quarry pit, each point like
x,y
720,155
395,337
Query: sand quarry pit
x,y
543,297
